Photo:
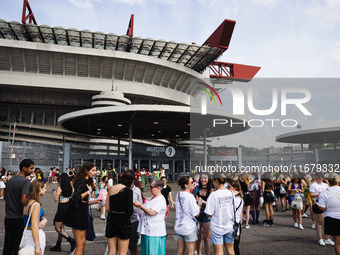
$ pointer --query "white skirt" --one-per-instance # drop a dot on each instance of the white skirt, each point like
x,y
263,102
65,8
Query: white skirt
x,y
2,185
28,240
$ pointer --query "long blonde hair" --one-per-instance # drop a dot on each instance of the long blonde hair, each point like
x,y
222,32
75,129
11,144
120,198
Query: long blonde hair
x,y
34,191
245,178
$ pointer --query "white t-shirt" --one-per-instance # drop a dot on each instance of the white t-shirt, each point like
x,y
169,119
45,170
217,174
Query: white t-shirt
x,y
220,207
153,225
330,199
186,210
317,188
238,201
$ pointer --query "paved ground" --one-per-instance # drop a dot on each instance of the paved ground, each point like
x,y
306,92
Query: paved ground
x,y
282,238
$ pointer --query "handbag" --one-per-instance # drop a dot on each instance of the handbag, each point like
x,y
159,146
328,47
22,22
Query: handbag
x,y
237,225
297,202
282,189
28,250
90,234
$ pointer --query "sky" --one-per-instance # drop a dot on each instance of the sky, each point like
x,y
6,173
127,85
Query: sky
x,y
287,39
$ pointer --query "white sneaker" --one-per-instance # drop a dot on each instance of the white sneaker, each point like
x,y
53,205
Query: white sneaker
x,y
139,241
296,225
1,197
301,227
313,225
304,216
329,242
247,226
102,217
321,242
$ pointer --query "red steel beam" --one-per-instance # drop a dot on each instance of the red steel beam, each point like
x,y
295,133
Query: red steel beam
x,y
129,31
222,35
231,71
30,16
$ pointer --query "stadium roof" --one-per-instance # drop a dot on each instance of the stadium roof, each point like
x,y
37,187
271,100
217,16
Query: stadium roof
x,y
192,56
319,135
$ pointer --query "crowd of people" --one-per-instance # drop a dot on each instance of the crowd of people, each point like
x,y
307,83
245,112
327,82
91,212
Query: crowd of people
x,y
209,210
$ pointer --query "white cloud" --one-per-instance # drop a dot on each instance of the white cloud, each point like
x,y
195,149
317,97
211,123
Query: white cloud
x,y
83,4
335,52
326,13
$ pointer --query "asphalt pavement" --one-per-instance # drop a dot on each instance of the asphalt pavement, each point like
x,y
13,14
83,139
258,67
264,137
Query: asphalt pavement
x,y
282,238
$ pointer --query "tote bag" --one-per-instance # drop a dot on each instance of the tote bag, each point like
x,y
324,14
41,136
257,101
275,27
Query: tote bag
x,y
90,234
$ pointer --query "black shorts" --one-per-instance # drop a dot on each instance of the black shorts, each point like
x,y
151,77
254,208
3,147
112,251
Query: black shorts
x,y
134,236
332,226
118,225
268,197
278,194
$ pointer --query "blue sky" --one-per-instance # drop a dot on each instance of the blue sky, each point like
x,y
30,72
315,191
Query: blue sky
x,y
288,39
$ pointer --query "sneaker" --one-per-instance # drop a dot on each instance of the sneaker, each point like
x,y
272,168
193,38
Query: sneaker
x,y
313,225
296,225
321,242
247,226
1,197
266,224
304,216
301,227
329,242
102,217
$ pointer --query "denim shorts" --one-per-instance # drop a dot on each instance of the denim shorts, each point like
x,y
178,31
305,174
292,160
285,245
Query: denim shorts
x,y
188,238
220,239
203,218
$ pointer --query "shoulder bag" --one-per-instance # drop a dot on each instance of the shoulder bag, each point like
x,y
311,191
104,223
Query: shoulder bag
x,y
90,234
28,250
237,225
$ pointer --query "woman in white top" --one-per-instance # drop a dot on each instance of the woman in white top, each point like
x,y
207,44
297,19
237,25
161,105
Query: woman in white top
x,y
152,224
329,202
3,179
314,192
220,207
186,211
235,186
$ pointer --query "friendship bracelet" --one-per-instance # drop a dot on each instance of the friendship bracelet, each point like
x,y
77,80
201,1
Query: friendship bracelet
x,y
37,245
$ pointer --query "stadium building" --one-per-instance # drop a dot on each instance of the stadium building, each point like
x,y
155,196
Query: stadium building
x,y
118,100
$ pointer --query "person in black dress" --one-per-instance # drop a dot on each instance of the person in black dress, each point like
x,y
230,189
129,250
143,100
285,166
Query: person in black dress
x,y
166,192
119,204
79,206
62,195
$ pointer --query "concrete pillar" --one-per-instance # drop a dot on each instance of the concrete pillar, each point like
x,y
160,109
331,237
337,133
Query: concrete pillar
x,y
1,148
183,166
66,157
130,146
205,147
316,155
239,157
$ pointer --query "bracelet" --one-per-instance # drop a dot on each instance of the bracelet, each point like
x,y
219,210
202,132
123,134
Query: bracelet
x,y
199,203
36,245
89,192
